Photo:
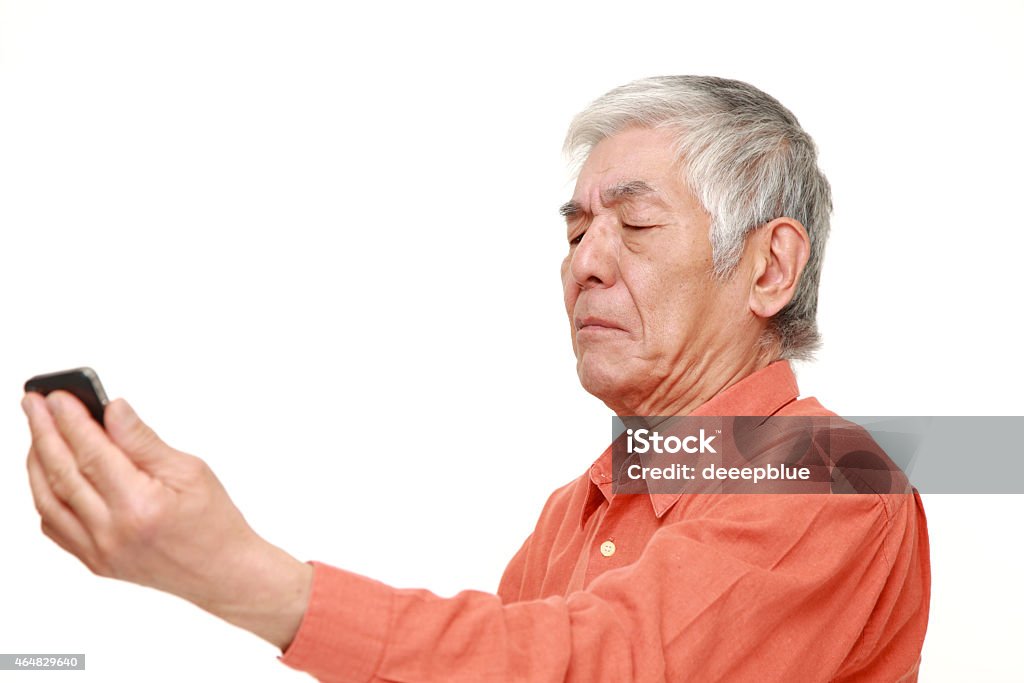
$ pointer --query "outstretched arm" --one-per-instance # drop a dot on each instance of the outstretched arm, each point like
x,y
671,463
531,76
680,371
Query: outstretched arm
x,y
814,587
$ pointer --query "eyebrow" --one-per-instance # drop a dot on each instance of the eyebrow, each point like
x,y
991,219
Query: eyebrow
x,y
613,195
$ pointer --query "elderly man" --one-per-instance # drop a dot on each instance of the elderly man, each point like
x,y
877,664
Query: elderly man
x,y
695,239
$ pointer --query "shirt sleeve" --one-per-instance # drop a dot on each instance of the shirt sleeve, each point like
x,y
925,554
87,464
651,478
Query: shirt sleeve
x,y
781,591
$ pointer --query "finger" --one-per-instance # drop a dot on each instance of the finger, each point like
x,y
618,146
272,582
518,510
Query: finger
x,y
133,436
99,460
87,559
59,467
59,522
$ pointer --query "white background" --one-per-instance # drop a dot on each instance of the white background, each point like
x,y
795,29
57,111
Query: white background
x,y
317,244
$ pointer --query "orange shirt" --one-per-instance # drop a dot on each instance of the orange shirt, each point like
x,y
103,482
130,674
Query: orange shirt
x,y
685,587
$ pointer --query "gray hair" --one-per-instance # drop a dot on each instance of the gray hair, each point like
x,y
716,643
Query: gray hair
x,y
746,160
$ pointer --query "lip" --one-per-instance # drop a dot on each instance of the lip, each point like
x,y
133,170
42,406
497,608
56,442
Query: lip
x,y
595,324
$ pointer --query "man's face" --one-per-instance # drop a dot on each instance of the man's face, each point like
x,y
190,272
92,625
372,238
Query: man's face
x,y
647,317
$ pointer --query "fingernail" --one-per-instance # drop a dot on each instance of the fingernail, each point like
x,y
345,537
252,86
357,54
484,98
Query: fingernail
x,y
26,405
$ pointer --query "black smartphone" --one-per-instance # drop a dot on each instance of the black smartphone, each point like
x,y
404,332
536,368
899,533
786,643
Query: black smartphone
x,y
84,383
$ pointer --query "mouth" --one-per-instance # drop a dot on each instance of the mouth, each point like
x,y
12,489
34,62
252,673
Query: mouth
x,y
596,325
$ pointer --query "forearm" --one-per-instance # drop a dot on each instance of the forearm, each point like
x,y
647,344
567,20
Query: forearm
x,y
267,594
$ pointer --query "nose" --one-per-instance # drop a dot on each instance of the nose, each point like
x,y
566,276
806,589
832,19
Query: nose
x,y
594,261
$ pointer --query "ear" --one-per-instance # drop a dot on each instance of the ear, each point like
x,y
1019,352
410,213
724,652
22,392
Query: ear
x,y
780,252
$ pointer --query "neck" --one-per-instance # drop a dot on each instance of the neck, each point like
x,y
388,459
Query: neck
x,y
692,385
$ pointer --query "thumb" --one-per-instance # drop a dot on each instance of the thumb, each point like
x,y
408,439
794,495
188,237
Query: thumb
x,y
133,436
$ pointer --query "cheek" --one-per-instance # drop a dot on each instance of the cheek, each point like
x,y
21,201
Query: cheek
x,y
645,289
569,289
672,301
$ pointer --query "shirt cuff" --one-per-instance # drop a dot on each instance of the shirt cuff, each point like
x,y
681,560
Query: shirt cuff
x,y
344,631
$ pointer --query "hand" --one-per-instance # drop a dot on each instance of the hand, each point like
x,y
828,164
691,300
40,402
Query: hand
x,y
131,507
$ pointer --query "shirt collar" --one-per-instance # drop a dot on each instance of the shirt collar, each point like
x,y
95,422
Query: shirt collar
x,y
763,392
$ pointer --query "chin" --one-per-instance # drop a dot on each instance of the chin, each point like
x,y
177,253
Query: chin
x,y
602,379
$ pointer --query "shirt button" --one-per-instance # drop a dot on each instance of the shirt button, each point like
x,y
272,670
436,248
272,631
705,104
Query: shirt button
x,y
607,548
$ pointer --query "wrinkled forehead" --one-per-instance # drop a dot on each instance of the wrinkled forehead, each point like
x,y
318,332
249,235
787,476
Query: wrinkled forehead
x,y
635,166
617,163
